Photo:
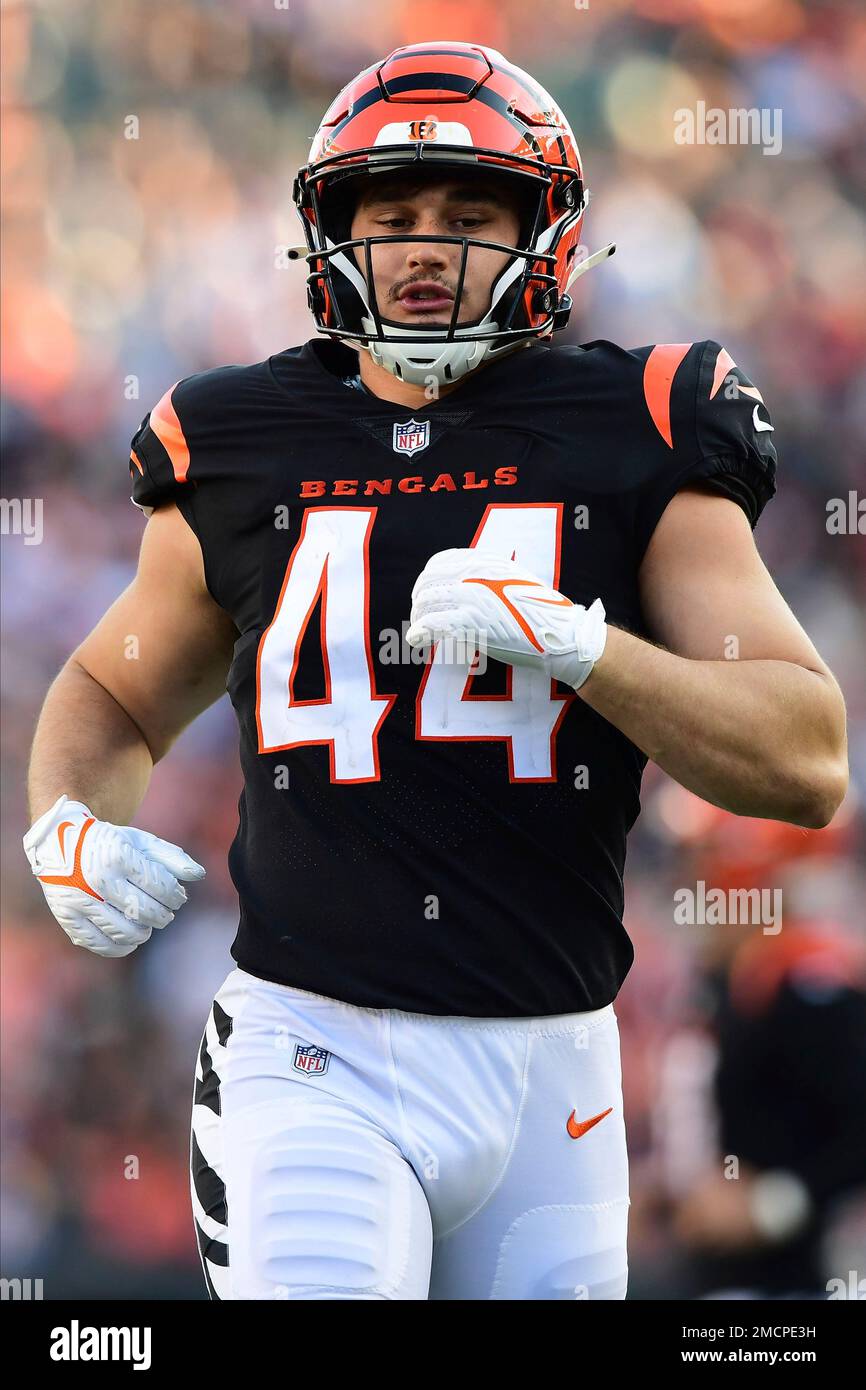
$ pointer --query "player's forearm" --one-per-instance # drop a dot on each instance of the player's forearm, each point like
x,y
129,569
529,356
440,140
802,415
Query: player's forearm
x,y
87,747
759,738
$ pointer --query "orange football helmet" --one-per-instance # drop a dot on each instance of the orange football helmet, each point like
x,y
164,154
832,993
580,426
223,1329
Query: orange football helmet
x,y
439,109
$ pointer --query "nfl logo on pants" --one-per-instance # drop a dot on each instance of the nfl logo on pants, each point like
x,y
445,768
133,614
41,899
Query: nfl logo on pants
x,y
311,1059
412,437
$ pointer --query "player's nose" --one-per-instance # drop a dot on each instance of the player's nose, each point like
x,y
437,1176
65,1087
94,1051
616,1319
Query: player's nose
x,y
429,255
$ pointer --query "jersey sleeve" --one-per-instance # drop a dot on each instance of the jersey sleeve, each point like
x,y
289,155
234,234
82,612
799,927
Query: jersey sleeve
x,y
723,439
184,452
159,456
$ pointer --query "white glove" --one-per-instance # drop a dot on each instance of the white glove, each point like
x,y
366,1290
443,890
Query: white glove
x,y
107,885
479,597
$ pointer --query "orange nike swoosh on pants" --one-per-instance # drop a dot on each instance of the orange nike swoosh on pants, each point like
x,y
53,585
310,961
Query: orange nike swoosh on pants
x,y
578,1127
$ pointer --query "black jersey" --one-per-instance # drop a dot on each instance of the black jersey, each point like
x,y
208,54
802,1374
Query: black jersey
x,y
426,836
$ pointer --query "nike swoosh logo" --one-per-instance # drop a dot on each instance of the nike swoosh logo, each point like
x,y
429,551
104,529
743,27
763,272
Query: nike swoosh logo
x,y
759,423
576,1128
76,879
61,837
498,586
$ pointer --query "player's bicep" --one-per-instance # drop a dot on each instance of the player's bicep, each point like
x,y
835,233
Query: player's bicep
x,y
706,593
164,647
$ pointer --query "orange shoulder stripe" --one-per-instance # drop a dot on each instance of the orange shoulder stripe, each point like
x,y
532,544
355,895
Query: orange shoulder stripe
x,y
751,391
133,458
167,428
658,377
724,363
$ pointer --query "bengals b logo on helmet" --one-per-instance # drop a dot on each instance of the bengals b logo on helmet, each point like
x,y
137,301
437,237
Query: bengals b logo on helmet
x,y
423,130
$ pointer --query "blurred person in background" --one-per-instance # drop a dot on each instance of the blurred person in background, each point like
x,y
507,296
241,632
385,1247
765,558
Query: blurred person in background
x,y
759,1126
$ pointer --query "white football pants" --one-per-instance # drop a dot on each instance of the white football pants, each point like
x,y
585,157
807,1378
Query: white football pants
x,y
347,1153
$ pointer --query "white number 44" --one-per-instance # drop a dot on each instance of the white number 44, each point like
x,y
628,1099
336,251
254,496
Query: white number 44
x,y
331,561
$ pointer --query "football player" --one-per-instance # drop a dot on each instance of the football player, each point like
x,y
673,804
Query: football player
x,y
460,585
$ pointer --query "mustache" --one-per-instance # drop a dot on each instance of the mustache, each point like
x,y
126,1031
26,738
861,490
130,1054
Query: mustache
x,y
397,290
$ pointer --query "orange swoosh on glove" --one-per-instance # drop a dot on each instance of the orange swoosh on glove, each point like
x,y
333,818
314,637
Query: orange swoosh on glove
x,y
76,879
497,586
61,837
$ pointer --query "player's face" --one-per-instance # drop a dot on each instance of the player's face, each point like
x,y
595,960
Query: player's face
x,y
416,282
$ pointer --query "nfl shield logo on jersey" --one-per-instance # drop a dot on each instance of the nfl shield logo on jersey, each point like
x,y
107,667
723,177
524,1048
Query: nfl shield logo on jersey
x,y
412,437
311,1059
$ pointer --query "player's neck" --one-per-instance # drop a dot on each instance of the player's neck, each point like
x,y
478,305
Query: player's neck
x,y
383,384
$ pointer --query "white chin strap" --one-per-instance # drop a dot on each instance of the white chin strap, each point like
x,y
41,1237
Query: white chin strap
x,y
431,364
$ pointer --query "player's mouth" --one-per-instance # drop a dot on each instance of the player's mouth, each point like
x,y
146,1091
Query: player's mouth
x,y
426,297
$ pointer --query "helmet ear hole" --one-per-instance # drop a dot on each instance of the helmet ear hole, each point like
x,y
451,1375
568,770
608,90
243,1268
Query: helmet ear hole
x,y
567,195
545,301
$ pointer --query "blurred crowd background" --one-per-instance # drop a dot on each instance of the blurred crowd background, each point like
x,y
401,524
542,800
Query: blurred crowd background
x,y
131,262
